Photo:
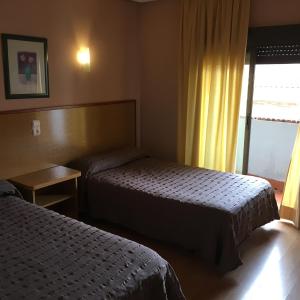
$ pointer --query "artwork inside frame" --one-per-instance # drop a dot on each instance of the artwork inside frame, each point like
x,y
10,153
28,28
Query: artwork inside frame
x,y
25,66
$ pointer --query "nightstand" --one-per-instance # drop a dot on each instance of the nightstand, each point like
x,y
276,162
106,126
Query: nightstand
x,y
54,188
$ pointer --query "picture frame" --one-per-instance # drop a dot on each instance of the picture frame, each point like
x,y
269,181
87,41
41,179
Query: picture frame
x,y
25,66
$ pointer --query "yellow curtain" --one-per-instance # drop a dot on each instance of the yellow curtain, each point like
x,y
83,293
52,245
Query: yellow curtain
x,y
290,203
213,46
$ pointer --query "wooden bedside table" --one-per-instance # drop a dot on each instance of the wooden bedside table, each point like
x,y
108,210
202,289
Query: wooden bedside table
x,y
54,188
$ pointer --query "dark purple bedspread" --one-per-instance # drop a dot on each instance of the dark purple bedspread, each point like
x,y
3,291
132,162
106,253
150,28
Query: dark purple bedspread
x,y
44,255
202,210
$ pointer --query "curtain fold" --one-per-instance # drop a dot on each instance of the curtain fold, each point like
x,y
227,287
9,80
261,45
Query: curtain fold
x,y
212,55
290,203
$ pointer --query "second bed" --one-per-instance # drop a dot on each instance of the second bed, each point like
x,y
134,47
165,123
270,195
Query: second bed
x,y
202,210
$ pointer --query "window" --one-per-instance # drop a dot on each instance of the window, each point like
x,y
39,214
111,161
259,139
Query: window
x,y
277,92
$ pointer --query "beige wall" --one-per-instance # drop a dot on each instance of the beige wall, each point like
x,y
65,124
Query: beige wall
x,y
108,27
159,55
274,12
160,43
134,52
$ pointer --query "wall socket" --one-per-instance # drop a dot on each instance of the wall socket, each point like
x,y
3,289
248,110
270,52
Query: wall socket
x,y
36,127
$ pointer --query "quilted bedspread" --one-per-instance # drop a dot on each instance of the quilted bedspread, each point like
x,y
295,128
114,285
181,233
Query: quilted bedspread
x,y
202,210
44,255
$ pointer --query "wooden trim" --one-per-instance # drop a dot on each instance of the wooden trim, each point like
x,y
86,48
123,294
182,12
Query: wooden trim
x,y
67,106
68,132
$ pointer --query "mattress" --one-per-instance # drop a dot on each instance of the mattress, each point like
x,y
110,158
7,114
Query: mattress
x,y
44,255
202,210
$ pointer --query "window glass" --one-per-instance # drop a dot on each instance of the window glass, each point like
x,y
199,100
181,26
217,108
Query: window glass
x,y
277,92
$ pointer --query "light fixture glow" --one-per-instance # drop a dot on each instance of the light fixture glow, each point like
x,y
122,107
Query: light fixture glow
x,y
83,57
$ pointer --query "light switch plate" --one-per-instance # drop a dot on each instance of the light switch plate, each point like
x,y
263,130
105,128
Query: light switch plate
x,y
36,127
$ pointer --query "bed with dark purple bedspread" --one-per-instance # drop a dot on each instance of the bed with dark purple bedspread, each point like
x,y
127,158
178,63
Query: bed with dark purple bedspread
x,y
44,255
202,210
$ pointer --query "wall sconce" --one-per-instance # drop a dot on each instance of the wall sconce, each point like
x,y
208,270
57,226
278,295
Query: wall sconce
x,y
84,58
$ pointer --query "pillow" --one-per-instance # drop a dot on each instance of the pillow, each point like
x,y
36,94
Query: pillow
x,y
7,189
93,164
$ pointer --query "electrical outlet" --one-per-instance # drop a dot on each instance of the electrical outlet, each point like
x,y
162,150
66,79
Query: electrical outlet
x,y
36,127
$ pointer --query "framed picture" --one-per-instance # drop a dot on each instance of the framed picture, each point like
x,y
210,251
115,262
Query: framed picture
x,y
25,64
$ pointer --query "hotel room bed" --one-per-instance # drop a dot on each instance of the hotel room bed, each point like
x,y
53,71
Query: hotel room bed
x,y
44,255
202,210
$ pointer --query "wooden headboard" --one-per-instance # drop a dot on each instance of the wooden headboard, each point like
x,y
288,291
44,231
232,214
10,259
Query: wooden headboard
x,y
67,133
